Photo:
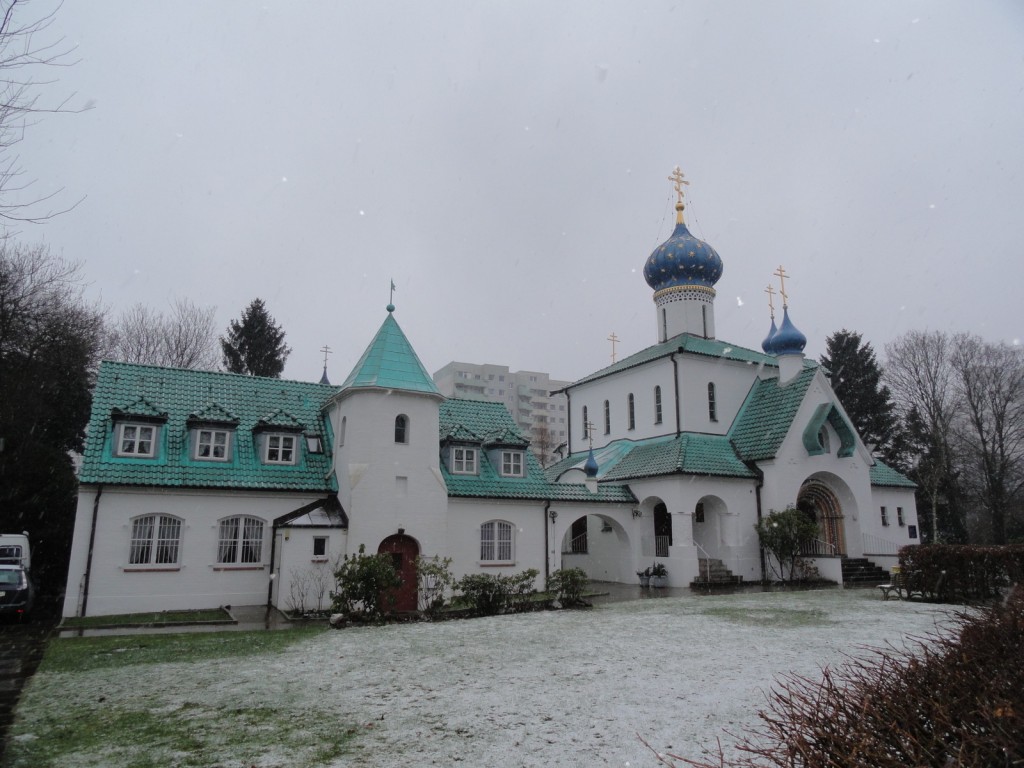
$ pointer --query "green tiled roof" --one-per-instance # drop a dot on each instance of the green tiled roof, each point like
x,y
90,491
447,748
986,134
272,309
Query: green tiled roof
x,y
684,343
691,453
180,394
883,474
766,416
491,420
391,363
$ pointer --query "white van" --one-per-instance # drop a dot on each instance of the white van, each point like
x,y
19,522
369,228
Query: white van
x,y
14,550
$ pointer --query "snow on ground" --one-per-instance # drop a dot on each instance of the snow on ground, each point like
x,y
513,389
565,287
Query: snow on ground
x,y
569,688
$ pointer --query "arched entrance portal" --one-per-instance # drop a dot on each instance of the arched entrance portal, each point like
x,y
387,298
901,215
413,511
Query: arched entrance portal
x,y
820,502
600,546
404,551
662,530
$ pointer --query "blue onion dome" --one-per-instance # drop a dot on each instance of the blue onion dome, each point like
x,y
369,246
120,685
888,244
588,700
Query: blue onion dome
x,y
769,340
590,468
683,261
788,340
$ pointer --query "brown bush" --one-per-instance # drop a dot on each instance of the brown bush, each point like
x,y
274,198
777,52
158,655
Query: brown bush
x,y
956,699
962,572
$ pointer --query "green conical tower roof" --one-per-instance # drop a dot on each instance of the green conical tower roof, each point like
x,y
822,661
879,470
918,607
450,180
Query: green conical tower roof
x,y
391,363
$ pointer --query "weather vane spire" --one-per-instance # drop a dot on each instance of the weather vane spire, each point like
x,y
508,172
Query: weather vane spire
x,y
678,181
391,298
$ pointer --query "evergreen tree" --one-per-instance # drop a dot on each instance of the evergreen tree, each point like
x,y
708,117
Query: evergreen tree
x,y
255,344
857,381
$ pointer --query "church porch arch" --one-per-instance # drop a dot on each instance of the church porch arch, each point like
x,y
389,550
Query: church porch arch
x,y
600,545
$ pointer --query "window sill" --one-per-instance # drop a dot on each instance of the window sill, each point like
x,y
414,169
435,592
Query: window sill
x,y
318,560
151,569
495,564
240,567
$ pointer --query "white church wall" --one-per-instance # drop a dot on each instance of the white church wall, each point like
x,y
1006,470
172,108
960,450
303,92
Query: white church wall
x,y
465,518
608,556
640,382
732,382
196,580
299,575
885,537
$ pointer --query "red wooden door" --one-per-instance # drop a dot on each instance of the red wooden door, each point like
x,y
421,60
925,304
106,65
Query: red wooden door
x,y
404,550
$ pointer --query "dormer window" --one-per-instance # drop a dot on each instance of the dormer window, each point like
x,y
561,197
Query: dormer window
x,y
512,463
212,444
137,440
279,449
463,461
314,444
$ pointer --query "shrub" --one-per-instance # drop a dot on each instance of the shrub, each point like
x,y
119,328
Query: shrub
x,y
366,585
962,572
783,535
955,699
490,594
435,581
567,584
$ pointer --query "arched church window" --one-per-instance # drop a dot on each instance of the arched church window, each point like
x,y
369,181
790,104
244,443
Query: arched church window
x,y
586,424
712,404
657,405
341,431
402,428
607,417
823,439
698,512
630,412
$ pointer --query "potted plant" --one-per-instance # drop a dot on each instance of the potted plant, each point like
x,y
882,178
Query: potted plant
x,y
645,577
659,575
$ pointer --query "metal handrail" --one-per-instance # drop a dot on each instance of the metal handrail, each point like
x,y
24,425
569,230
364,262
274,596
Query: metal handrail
x,y
577,546
819,547
707,563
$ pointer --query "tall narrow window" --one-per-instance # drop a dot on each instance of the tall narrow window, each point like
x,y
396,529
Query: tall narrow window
x,y
402,429
900,520
712,405
607,417
657,405
341,432
586,424
630,412
885,516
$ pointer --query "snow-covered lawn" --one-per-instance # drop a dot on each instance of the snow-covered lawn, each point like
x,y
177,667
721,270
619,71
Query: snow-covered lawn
x,y
570,688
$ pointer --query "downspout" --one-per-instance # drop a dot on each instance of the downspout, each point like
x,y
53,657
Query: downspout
x,y
270,581
92,543
757,496
547,553
568,408
675,388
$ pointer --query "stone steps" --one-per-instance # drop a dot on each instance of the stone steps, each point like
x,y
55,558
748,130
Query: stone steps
x,y
713,573
861,571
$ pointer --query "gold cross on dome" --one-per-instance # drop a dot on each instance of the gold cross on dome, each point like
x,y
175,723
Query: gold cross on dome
x,y
613,339
781,273
771,299
678,181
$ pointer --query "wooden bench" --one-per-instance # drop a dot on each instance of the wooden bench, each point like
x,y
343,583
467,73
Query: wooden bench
x,y
907,587
897,584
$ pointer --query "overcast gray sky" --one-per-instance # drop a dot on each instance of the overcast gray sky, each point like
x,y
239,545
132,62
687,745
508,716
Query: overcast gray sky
x,y
505,163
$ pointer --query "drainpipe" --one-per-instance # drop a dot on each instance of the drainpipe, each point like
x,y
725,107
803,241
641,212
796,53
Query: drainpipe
x,y
547,553
270,581
757,496
92,543
675,376
568,416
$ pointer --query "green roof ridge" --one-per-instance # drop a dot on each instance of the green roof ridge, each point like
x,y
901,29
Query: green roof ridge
x,y
389,362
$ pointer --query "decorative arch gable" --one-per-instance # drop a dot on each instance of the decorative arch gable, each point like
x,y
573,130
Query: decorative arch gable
x,y
827,412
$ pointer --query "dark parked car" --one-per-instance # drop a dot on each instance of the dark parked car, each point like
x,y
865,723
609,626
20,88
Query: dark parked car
x,y
17,592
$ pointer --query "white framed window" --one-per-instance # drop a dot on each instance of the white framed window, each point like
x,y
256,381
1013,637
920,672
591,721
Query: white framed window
x,y
212,444
712,402
463,461
512,463
240,540
900,520
156,540
319,548
496,542
885,516
630,412
657,405
136,440
279,449
586,423
607,417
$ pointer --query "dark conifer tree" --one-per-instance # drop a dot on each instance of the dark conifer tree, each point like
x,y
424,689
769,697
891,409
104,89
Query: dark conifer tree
x,y
254,345
857,380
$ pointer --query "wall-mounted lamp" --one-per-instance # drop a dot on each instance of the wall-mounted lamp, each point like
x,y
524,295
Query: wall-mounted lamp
x,y
553,515
638,513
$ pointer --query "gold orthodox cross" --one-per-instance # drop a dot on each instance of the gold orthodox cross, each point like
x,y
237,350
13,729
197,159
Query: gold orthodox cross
x,y
326,350
613,339
771,299
782,285
678,181
590,432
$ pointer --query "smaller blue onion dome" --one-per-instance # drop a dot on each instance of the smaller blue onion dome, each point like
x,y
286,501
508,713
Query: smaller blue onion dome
x,y
682,260
767,344
590,468
788,340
